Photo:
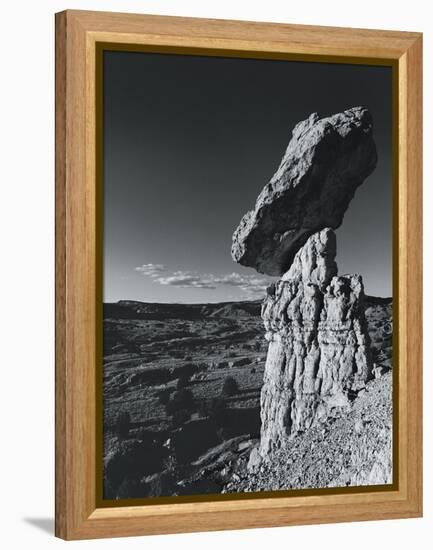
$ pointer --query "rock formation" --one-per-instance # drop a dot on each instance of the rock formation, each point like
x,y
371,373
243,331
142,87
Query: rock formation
x,y
318,356
325,161
319,353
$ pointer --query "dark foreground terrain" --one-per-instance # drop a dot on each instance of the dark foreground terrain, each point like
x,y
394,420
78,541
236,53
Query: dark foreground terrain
x,y
181,405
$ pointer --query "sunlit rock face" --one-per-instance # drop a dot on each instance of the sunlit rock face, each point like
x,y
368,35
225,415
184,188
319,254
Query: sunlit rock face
x,y
325,161
318,356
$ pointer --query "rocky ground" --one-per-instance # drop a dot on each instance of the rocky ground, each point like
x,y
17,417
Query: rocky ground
x,y
173,425
348,449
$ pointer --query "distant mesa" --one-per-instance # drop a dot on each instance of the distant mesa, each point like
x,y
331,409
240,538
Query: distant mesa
x,y
325,161
131,309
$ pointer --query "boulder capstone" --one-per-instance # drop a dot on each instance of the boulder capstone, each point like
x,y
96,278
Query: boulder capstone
x,y
325,161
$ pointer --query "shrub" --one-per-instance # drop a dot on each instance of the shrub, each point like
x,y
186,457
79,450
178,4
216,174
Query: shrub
x,y
146,437
123,424
182,399
164,396
114,472
109,491
188,369
202,409
215,409
183,381
180,417
132,460
170,463
163,484
223,433
230,386
130,488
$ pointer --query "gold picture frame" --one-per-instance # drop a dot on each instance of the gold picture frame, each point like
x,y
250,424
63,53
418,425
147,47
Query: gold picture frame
x,y
81,36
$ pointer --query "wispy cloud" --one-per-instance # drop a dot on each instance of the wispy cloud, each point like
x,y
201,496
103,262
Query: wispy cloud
x,y
254,291
252,285
235,279
151,270
186,279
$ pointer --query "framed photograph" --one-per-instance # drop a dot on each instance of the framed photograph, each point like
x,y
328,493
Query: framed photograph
x,y
238,274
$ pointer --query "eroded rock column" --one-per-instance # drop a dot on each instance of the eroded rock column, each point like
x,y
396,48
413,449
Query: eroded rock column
x,y
318,356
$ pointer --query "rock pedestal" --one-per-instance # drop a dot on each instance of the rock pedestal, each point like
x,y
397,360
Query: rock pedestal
x,y
318,356
319,349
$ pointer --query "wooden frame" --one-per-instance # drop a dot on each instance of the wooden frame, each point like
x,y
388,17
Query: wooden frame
x,y
77,36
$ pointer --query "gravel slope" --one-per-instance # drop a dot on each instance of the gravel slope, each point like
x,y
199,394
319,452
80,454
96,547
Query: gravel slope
x,y
353,448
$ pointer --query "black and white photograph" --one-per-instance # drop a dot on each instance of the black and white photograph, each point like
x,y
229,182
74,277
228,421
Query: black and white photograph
x,y
247,275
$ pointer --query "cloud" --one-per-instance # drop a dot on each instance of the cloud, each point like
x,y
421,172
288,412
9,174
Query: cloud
x,y
151,270
233,279
184,279
254,290
254,286
250,284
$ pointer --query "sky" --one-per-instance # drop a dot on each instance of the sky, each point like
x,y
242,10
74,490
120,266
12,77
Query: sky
x,y
189,143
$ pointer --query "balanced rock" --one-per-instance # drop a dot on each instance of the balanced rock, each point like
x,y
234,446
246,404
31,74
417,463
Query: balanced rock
x,y
318,356
325,161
